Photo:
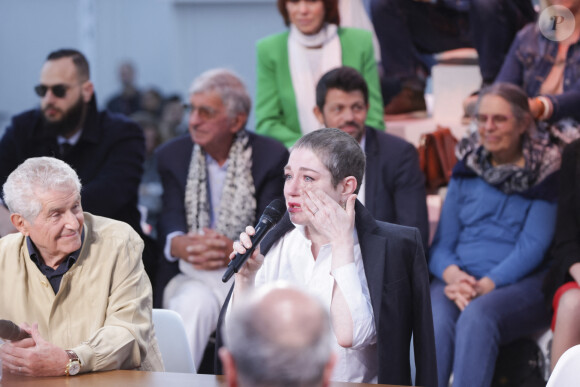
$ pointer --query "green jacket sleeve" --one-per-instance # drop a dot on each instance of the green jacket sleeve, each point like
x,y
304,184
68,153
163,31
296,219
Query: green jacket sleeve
x,y
358,52
273,117
375,118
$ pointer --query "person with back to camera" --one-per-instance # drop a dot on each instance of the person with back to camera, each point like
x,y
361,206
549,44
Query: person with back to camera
x,y
72,280
371,276
289,333
496,225
289,66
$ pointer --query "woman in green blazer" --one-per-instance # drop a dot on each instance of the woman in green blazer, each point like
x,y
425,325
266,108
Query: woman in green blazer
x,y
300,57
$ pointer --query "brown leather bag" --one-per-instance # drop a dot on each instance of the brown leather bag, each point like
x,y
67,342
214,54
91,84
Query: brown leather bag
x,y
437,157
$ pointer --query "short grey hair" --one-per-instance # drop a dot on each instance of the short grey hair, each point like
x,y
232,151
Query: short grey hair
x,y
34,175
340,153
279,349
228,86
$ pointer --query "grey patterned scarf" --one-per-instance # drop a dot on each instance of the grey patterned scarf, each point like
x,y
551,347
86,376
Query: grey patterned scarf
x,y
238,202
542,159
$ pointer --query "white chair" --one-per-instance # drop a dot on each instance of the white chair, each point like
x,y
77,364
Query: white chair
x,y
567,370
173,342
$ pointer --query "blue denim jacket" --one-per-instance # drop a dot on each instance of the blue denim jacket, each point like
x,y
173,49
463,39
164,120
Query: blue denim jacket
x,y
529,62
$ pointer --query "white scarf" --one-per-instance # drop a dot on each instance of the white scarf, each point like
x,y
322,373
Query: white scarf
x,y
303,79
237,208
353,14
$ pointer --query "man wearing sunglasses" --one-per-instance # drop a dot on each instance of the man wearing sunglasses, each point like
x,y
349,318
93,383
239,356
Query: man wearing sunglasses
x,y
107,151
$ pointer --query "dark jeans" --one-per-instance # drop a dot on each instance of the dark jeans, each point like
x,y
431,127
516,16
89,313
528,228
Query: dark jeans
x,y
468,342
406,29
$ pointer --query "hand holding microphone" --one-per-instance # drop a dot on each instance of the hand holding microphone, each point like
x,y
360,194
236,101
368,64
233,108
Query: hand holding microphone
x,y
272,214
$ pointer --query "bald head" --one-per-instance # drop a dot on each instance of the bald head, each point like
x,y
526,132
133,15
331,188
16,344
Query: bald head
x,y
280,336
289,318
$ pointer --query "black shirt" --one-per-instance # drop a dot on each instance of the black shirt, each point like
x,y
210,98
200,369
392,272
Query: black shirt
x,y
54,276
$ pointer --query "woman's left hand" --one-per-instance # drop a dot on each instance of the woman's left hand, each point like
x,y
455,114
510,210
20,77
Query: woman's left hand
x,y
328,217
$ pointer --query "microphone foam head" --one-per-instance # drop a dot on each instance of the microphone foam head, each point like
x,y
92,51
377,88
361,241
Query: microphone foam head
x,y
9,330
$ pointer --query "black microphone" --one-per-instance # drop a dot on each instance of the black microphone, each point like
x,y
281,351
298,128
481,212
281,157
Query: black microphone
x,y
272,214
11,331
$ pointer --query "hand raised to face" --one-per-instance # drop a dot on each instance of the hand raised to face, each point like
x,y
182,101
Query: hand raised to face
x,y
328,217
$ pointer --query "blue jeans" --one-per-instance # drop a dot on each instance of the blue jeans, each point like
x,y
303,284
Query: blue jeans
x,y
468,342
407,28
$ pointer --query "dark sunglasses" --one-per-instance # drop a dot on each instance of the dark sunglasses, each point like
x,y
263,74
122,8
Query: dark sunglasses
x,y
58,91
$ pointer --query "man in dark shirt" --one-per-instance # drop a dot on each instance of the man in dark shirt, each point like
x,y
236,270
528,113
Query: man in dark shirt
x,y
128,100
106,150
393,188
78,288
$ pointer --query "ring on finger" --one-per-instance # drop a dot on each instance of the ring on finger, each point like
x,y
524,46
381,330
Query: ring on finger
x,y
315,211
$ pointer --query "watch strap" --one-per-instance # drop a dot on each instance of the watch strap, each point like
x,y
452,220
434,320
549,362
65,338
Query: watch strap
x,y
72,355
72,358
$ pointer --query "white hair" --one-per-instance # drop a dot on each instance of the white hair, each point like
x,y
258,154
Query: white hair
x,y
274,349
37,174
228,86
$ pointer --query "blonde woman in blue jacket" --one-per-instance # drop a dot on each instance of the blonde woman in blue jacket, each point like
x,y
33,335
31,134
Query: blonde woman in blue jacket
x,y
289,66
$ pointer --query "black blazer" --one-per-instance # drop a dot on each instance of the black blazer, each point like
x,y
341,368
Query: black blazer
x,y
565,249
398,279
269,157
395,185
108,159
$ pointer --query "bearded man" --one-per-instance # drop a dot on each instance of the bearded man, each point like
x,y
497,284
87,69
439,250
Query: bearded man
x,y
393,188
106,150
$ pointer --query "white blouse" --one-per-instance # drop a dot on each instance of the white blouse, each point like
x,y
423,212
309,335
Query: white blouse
x,y
291,259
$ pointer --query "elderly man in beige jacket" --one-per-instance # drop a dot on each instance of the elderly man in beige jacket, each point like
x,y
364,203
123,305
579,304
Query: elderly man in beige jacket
x,y
75,282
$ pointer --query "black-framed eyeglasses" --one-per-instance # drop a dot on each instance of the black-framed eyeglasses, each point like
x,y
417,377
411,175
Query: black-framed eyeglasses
x,y
58,91
204,112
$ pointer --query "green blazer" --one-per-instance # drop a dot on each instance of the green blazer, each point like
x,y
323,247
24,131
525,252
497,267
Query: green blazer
x,y
276,112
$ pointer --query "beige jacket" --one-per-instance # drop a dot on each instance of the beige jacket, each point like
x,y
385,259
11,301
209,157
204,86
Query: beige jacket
x,y
102,310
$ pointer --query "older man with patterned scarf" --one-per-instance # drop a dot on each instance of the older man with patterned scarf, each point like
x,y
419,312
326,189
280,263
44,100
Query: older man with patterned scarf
x,y
216,180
